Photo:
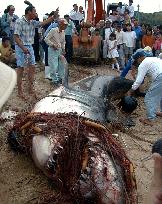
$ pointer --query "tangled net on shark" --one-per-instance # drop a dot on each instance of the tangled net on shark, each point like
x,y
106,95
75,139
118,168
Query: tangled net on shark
x,y
78,154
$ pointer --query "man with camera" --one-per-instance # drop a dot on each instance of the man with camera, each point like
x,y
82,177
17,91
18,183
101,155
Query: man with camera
x,y
8,22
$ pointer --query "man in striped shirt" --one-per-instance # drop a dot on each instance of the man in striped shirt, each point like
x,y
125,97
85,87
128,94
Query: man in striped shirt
x,y
24,38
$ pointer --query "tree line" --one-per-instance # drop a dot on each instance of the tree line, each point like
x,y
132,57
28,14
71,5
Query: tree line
x,y
150,18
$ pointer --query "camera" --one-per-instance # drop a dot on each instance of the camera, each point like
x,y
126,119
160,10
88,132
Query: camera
x,y
14,19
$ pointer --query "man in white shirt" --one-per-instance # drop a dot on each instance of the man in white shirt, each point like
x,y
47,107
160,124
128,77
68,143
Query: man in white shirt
x,y
131,9
80,14
76,16
121,10
72,14
149,66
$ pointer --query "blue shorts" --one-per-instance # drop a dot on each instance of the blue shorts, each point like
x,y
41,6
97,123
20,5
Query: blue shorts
x,y
21,57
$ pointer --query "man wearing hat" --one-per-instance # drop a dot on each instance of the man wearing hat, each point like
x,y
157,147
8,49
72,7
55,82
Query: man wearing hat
x,y
151,66
55,39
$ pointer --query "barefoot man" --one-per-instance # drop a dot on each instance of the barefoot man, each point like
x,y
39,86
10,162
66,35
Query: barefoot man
x,y
24,38
151,66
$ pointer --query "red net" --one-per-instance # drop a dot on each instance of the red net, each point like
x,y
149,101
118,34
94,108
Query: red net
x,y
80,146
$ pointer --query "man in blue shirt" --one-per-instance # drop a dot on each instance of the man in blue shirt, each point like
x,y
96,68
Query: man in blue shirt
x,y
68,38
53,25
138,30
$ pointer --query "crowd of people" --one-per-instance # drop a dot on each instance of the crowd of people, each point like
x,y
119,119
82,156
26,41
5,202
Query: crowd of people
x,y
128,34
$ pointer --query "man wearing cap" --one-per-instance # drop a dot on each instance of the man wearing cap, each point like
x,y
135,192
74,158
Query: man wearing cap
x,y
55,39
149,66
131,63
24,38
54,24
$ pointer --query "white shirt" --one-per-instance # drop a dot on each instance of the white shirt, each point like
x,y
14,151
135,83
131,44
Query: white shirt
x,y
92,29
131,10
129,38
151,66
76,15
119,37
55,38
121,12
108,31
72,15
79,16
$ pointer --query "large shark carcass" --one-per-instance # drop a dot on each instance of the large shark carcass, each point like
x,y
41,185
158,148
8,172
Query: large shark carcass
x,y
67,137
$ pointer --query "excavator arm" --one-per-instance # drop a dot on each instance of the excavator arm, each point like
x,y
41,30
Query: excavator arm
x,y
90,11
99,11
95,10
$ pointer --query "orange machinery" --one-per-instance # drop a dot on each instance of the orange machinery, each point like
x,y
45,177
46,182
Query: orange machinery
x,y
95,14
85,45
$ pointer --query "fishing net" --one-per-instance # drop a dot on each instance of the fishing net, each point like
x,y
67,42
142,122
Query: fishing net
x,y
80,161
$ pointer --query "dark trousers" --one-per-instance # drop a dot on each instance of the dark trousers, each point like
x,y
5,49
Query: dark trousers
x,y
77,25
68,48
36,51
45,48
